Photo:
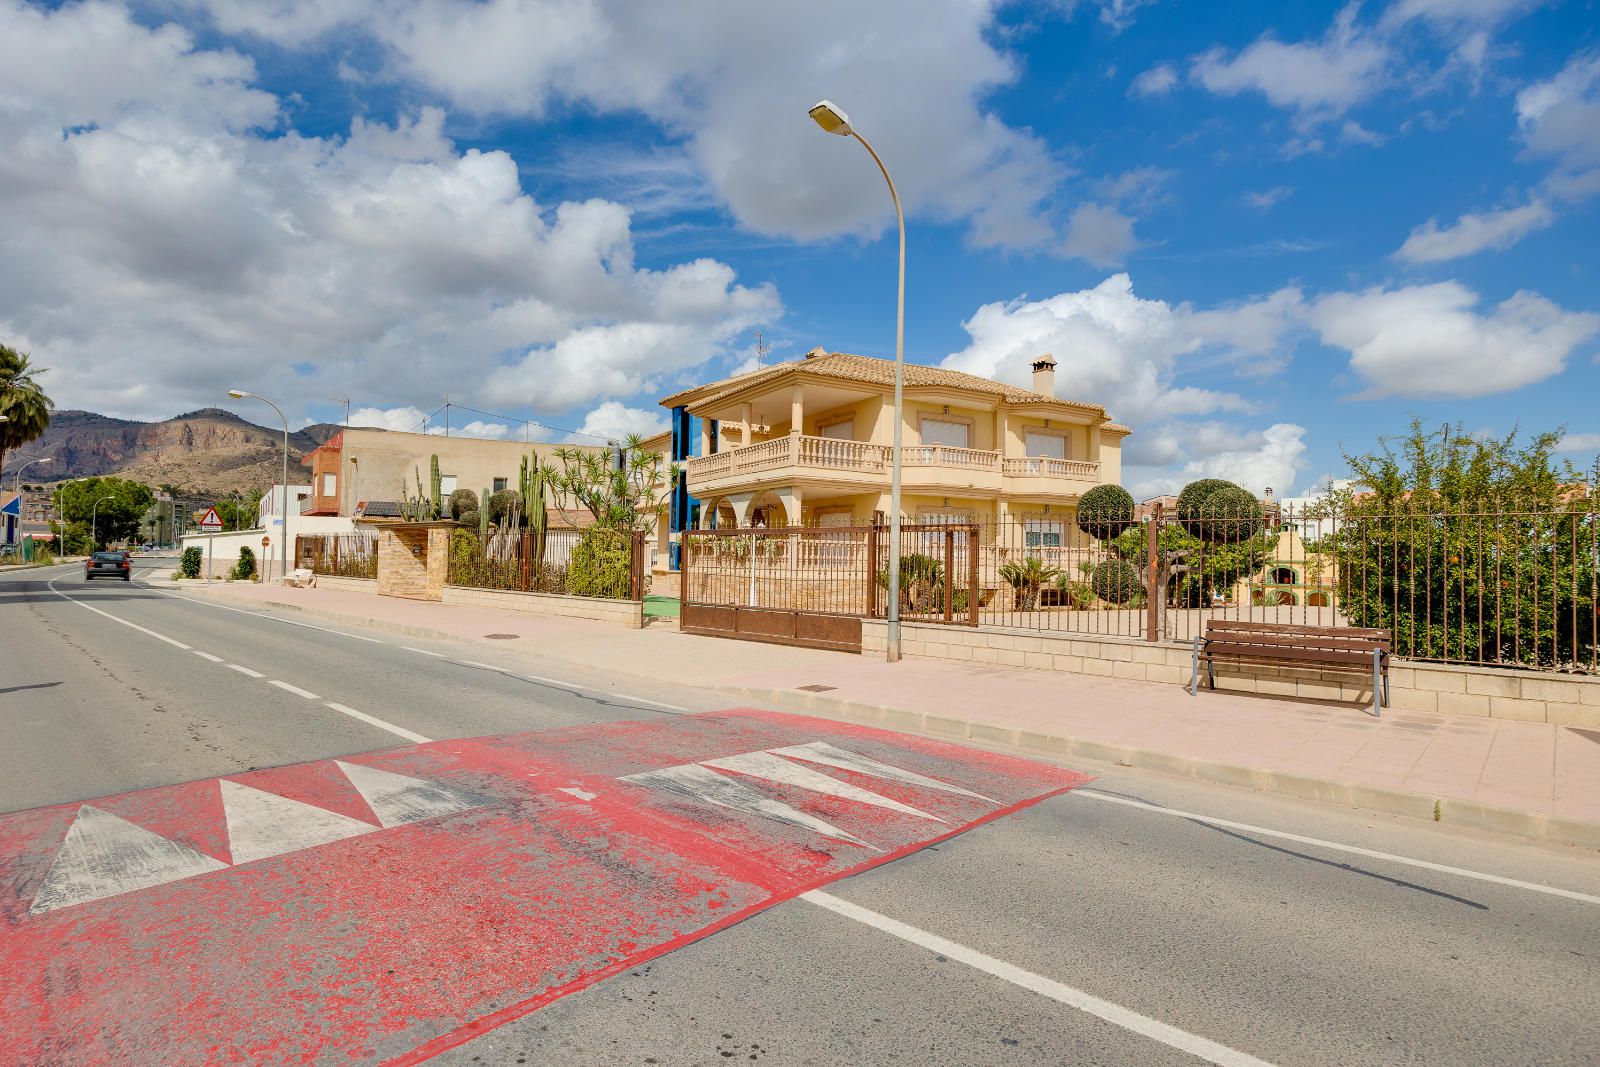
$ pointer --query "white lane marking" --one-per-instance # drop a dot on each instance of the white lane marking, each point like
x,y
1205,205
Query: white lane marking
x,y
604,692
397,799
423,651
1426,865
132,625
581,794
105,855
773,768
694,782
245,670
261,614
295,689
262,824
1116,1014
828,756
373,720
206,655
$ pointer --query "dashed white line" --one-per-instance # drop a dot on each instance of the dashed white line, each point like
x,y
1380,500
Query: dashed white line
x,y
272,618
206,655
373,720
1093,794
1200,1047
423,651
245,670
295,689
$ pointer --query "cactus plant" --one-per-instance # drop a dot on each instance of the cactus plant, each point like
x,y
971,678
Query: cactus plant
x,y
437,485
533,478
483,518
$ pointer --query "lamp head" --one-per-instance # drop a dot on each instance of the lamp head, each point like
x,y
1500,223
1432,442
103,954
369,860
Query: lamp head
x,y
831,118
4,419
238,394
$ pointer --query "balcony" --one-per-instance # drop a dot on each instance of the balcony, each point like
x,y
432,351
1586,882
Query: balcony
x,y
831,463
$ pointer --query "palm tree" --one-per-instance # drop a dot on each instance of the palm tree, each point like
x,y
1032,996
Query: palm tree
x,y
22,402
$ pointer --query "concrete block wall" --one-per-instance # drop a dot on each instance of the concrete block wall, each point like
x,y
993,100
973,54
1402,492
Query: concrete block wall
x,y
629,613
1531,696
353,585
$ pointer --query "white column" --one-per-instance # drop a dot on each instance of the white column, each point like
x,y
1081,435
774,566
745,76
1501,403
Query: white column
x,y
745,416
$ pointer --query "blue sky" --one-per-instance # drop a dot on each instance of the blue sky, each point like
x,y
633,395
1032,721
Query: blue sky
x,y
1258,239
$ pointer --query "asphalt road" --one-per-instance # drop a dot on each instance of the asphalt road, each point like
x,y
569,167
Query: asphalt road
x,y
1087,929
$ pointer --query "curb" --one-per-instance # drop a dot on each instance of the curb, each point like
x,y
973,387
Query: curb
x,y
1532,825
351,620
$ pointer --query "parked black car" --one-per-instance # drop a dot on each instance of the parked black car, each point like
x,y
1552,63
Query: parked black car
x,y
108,565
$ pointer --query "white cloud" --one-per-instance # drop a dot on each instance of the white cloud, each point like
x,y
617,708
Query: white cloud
x,y
146,221
1118,349
1456,12
403,419
615,421
1258,460
1318,80
1273,461
1156,81
1118,14
1267,198
1560,119
1429,340
1580,442
1099,235
733,82
1474,233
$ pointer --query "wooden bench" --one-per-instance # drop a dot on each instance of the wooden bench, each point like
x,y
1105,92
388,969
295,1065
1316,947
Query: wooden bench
x,y
1269,644
301,578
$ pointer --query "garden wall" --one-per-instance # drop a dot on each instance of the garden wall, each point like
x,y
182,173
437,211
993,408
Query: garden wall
x,y
1529,696
629,613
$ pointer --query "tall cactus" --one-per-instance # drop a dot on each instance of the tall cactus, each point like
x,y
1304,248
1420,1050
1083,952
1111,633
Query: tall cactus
x,y
533,504
483,518
437,485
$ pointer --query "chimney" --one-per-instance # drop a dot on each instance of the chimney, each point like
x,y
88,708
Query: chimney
x,y
1044,375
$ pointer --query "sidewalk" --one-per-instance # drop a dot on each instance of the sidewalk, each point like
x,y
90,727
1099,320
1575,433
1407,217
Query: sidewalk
x,y
1531,779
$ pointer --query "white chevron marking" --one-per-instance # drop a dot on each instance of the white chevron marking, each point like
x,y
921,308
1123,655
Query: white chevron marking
x,y
104,855
397,799
262,824
701,783
777,769
821,752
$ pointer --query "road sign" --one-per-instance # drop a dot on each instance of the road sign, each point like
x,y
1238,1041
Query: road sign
x,y
388,906
211,522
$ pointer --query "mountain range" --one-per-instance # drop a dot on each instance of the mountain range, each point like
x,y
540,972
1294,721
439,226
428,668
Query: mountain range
x,y
205,451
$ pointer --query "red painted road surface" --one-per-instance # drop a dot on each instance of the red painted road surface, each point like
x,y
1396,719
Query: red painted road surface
x,y
391,905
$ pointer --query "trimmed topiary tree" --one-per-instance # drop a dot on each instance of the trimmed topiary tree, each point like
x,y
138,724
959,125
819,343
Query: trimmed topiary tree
x,y
469,519
1192,500
1116,581
502,503
462,500
1105,511
1227,516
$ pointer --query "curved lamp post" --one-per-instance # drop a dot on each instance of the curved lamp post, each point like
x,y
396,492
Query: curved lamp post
x,y
283,535
833,120
94,523
16,484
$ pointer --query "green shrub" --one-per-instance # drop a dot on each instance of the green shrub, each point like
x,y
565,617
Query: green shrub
x,y
601,564
1194,494
1116,581
1027,577
189,562
1105,511
501,503
463,500
246,567
469,519
1228,516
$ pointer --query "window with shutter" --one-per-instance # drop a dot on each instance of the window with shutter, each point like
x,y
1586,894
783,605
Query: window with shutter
x,y
1045,445
946,432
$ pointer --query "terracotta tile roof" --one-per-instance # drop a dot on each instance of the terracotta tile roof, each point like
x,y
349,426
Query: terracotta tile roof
x,y
869,370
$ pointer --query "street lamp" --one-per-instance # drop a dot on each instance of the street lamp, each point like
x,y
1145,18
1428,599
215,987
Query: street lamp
x,y
283,535
17,484
94,522
832,120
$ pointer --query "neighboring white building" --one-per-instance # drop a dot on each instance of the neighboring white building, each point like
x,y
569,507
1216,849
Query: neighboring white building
x,y
269,513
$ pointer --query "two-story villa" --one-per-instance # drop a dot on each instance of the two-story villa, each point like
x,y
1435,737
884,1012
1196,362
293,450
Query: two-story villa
x,y
810,443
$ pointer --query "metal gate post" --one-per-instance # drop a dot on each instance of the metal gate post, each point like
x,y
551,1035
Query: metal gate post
x,y
949,573
972,576
872,571
1152,606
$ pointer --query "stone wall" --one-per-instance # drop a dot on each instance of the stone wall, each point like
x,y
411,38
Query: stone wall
x,y
352,585
629,613
1530,696
413,560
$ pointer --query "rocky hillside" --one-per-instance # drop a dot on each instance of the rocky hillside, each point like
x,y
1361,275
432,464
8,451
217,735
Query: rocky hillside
x,y
209,451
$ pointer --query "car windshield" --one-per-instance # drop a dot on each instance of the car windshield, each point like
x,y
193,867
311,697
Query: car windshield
x,y
109,557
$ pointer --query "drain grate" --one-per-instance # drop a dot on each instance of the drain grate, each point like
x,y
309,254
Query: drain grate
x,y
501,637
816,688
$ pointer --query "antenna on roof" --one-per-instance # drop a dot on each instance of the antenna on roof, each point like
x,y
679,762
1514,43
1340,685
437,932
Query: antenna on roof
x,y
762,348
346,402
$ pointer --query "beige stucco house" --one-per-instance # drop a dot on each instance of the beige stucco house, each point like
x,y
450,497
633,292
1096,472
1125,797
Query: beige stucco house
x,y
809,442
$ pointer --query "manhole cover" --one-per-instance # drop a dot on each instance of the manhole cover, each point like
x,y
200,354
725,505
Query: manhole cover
x,y
502,637
816,688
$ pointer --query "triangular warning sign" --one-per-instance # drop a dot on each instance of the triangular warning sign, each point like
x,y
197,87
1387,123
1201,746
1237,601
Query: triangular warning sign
x,y
397,799
264,824
211,521
104,855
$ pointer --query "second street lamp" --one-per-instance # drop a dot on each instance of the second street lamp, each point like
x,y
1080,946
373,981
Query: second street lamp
x,y
283,535
94,524
832,120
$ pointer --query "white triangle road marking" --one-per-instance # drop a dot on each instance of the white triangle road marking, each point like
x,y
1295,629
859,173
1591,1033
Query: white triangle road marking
x,y
397,799
821,752
581,794
262,824
777,769
704,784
104,855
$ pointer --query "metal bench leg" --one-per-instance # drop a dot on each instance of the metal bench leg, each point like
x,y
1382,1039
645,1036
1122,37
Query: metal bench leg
x,y
1194,676
1377,684
1211,674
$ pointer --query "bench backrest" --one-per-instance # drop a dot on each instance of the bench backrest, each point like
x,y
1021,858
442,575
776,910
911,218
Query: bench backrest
x,y
1242,635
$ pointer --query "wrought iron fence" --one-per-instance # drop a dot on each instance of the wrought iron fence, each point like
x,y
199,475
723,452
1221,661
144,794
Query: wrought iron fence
x,y
1504,588
352,555
596,562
